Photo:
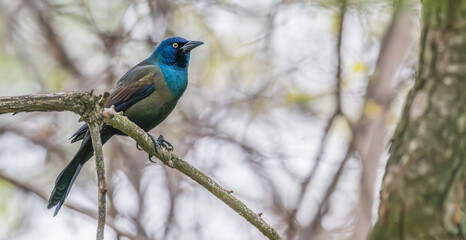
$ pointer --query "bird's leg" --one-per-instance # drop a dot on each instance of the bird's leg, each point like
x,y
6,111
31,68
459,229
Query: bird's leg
x,y
160,142
156,144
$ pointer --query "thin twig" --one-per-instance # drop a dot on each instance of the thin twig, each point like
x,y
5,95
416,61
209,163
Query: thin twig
x,y
324,140
330,189
95,127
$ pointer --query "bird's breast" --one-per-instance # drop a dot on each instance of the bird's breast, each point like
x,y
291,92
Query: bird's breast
x,y
175,78
153,109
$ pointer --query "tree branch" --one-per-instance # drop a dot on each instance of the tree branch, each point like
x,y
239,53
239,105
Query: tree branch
x,y
95,127
89,108
77,102
122,123
370,136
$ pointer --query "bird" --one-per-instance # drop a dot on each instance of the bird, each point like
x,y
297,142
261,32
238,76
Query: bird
x,y
146,94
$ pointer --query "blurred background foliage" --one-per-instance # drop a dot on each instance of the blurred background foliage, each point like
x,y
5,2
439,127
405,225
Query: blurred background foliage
x,y
255,116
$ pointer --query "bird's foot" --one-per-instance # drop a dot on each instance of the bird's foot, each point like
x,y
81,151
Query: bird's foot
x,y
159,142
165,144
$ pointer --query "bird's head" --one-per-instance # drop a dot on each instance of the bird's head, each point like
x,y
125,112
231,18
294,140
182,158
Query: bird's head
x,y
173,51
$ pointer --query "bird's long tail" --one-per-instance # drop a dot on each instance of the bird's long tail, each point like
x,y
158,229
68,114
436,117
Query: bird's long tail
x,y
66,178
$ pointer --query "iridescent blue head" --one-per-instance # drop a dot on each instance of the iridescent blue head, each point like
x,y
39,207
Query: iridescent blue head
x,y
173,52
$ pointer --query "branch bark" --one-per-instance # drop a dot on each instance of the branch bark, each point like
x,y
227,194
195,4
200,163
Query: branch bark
x,y
90,109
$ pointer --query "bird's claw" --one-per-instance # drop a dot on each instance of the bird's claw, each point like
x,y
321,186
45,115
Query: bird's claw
x,y
160,142
138,148
166,144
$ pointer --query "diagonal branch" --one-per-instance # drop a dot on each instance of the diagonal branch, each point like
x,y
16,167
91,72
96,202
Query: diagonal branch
x,y
122,123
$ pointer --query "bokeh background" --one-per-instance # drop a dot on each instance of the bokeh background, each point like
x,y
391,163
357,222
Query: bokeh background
x,y
268,113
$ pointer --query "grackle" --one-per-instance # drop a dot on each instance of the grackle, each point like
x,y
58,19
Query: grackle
x,y
146,94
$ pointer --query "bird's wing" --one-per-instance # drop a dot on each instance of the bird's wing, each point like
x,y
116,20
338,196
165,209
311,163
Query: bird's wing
x,y
136,84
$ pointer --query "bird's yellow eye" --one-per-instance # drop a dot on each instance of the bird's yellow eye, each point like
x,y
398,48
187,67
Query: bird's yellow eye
x,y
175,45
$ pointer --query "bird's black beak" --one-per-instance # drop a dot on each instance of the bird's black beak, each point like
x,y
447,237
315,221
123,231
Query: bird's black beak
x,y
191,45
